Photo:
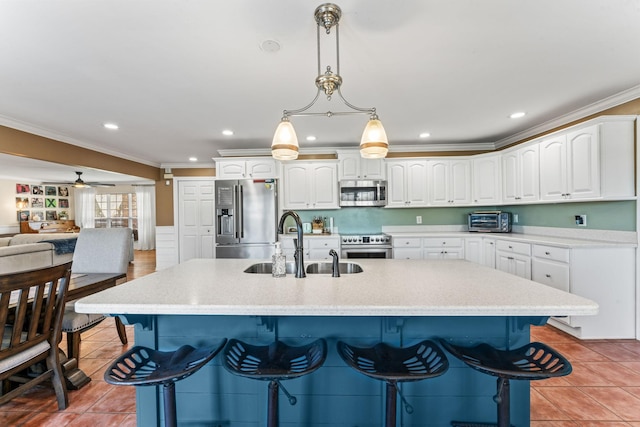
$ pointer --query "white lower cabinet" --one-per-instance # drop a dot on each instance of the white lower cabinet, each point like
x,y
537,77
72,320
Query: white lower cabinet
x,y
442,248
605,275
407,248
514,258
314,247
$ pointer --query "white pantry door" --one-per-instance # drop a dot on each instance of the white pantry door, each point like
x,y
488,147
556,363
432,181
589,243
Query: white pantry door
x,y
196,216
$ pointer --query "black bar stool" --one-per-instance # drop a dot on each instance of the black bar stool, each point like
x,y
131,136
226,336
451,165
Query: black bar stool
x,y
142,366
273,363
534,361
394,365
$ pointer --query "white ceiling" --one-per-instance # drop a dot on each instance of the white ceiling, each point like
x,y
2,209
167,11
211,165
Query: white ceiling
x,y
174,74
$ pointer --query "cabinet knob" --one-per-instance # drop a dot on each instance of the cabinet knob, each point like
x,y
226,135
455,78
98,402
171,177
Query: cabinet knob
x,y
548,276
547,253
510,257
510,247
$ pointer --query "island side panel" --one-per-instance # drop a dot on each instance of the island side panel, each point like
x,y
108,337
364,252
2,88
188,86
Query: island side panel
x,y
335,395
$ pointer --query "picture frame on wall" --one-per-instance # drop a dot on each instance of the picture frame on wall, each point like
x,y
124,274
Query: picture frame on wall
x,y
50,203
22,202
22,188
36,189
63,203
37,202
23,216
52,215
37,216
63,191
50,190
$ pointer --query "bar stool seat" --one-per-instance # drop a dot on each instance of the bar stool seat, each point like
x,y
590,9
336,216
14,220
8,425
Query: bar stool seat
x,y
142,366
273,363
394,365
533,361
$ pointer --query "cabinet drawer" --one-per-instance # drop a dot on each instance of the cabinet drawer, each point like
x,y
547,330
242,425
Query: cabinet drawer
x,y
322,243
443,242
515,247
551,252
407,253
407,242
550,273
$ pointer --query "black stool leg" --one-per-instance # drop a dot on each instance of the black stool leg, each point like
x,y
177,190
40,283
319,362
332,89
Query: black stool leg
x,y
170,417
503,400
272,404
392,394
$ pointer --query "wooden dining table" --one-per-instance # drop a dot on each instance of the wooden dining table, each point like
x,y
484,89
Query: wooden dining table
x,y
82,285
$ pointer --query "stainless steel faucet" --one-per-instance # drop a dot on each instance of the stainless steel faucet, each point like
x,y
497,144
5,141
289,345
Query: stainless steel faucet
x,y
335,267
299,253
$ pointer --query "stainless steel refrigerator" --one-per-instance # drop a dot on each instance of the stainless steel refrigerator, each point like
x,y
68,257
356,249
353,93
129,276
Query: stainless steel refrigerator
x,y
246,212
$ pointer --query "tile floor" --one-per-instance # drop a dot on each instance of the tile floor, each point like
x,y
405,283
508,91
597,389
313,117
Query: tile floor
x,y
602,391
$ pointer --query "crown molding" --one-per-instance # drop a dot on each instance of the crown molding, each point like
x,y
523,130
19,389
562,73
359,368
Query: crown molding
x,y
45,133
188,165
604,104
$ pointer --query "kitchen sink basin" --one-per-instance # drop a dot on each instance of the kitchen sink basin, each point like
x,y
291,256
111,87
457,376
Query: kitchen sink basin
x,y
326,268
266,268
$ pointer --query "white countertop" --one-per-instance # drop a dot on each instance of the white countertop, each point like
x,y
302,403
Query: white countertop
x,y
385,288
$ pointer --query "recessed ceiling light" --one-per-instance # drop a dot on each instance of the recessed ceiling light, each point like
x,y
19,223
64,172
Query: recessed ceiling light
x,y
311,138
425,135
111,126
227,132
193,159
270,46
517,115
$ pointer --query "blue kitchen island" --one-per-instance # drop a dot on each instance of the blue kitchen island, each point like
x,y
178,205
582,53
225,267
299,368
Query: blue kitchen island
x,y
399,302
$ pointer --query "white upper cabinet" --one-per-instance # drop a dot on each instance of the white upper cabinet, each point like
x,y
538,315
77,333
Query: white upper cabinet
x,y
352,166
520,175
407,183
312,185
256,168
570,165
449,182
486,179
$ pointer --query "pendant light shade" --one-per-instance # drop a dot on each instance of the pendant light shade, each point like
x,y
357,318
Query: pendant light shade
x,y
285,142
374,143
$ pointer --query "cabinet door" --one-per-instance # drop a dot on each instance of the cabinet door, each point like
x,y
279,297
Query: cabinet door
x,y
553,168
503,262
489,253
257,169
349,166
439,191
551,273
230,169
529,173
396,187
583,163
372,168
487,180
460,182
324,194
522,266
416,172
473,249
407,253
510,179
296,186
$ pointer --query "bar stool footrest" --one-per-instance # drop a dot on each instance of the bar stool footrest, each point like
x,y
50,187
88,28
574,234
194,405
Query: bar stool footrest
x,y
472,424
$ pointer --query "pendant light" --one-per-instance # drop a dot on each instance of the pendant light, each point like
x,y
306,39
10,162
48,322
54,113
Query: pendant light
x,y
374,143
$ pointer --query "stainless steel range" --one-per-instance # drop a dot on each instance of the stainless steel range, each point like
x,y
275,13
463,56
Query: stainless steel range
x,y
366,246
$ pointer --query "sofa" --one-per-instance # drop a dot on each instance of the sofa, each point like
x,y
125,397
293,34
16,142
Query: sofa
x,y
31,251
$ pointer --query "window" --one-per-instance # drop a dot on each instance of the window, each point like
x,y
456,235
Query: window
x,y
116,210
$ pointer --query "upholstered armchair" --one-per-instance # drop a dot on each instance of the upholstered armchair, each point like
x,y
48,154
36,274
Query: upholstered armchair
x,y
98,250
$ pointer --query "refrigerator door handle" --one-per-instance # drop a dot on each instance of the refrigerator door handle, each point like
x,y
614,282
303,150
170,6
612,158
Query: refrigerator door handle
x,y
241,211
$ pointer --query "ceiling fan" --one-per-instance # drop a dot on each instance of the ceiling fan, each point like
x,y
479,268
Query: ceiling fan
x,y
79,183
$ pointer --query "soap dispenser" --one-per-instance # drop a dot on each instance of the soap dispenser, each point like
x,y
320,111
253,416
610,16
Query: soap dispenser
x,y
279,263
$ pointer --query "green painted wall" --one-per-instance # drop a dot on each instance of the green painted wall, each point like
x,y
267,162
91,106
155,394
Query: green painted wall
x,y
600,216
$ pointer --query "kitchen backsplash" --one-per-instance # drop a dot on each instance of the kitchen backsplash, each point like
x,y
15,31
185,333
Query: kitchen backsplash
x,y
616,215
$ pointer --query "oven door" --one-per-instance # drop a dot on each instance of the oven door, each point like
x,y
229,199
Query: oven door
x,y
361,252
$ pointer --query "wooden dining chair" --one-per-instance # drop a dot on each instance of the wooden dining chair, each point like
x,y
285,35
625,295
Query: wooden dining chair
x,y
98,250
31,309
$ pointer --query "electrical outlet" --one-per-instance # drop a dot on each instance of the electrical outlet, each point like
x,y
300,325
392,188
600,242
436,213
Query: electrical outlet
x,y
581,220
516,218
419,219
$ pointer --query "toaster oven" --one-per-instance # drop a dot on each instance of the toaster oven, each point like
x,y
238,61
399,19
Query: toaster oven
x,y
490,222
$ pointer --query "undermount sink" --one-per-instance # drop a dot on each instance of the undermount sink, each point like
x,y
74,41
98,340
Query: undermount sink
x,y
327,268
267,268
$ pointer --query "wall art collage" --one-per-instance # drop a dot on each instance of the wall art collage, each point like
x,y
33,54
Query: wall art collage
x,y
42,202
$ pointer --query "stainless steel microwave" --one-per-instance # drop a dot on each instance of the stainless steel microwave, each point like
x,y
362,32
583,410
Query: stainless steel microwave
x,y
490,222
363,193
